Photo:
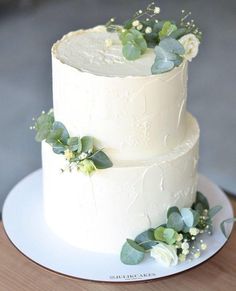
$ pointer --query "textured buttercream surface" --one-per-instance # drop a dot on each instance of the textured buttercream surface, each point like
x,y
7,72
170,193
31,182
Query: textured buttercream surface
x,y
133,118
87,51
99,212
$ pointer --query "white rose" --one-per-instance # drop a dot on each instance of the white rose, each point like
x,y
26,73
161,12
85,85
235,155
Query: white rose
x,y
165,254
190,43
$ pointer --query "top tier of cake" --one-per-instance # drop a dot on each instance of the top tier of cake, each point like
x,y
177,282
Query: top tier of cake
x,y
133,115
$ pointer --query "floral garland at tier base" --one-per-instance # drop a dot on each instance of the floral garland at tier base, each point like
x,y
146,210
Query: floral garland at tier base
x,y
176,240
173,41
80,153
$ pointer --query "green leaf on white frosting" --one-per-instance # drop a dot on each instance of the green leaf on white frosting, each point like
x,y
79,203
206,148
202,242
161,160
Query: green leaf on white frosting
x,y
132,253
168,55
101,160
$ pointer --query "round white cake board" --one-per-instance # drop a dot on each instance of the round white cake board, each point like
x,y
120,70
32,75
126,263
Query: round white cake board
x,y
25,226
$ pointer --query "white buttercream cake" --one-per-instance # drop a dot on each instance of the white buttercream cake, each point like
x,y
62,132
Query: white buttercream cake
x,y
140,120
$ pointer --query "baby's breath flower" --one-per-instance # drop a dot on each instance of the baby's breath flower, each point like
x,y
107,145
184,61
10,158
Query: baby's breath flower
x,y
182,258
135,23
139,27
83,156
179,237
157,10
194,231
185,252
185,246
197,255
68,154
203,246
140,11
148,30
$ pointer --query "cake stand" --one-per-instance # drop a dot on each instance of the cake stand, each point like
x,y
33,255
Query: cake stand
x,y
25,227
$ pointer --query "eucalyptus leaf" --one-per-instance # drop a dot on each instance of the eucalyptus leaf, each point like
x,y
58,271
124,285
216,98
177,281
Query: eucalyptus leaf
x,y
159,233
189,216
167,29
101,160
164,55
198,207
132,253
59,148
171,210
175,221
200,198
42,133
54,136
178,33
222,225
131,51
172,45
87,144
214,210
74,144
170,236
146,239
43,126
65,135
161,66
133,43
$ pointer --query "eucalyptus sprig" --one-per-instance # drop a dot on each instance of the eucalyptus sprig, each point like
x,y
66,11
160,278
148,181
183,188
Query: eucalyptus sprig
x,y
79,152
145,30
180,231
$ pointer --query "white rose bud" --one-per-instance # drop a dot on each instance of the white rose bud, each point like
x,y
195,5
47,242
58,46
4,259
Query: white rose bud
x,y
190,43
165,254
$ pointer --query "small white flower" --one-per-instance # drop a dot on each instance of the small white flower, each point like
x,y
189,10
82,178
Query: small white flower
x,y
185,252
108,43
197,255
83,156
182,258
179,237
194,231
140,11
165,254
148,30
68,155
203,246
190,43
185,246
135,23
139,27
157,10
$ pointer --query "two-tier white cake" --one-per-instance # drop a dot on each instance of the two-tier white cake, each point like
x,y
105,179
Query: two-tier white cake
x,y
140,120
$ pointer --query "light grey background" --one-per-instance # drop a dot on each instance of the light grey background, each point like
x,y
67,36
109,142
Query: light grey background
x,y
26,36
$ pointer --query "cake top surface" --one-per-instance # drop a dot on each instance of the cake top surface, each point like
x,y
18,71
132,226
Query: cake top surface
x,y
99,52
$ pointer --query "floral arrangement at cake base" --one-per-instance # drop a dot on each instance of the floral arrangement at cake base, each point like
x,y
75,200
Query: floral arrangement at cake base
x,y
176,241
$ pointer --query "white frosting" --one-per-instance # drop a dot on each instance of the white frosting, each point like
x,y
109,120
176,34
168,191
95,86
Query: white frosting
x,y
99,212
87,50
132,117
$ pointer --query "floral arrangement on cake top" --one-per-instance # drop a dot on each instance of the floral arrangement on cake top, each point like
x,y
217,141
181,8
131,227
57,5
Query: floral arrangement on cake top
x,y
173,41
80,153
177,240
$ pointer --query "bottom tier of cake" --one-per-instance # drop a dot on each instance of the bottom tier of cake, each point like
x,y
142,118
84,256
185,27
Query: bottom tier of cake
x,y
99,212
